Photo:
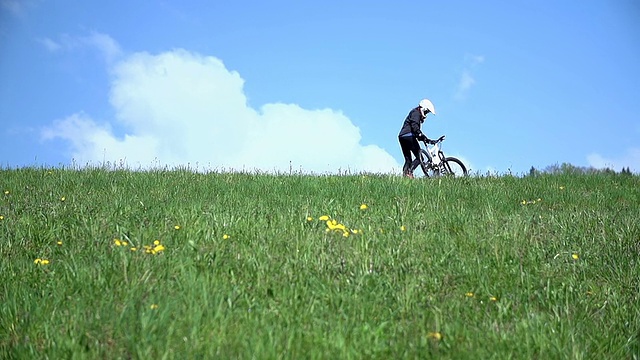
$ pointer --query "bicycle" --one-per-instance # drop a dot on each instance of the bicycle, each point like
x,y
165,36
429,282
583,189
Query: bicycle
x,y
433,163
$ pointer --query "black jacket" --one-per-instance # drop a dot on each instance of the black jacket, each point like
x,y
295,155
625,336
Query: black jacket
x,y
412,123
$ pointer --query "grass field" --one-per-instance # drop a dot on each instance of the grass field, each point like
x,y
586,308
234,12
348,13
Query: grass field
x,y
180,265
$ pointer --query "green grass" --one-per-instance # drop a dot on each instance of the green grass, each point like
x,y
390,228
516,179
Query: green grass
x,y
476,274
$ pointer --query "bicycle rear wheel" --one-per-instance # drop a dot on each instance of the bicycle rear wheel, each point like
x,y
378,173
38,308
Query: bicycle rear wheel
x,y
453,167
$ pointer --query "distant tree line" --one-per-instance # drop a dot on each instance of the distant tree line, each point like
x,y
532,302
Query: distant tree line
x,y
566,168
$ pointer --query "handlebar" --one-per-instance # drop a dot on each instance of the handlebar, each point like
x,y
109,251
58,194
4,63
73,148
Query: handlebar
x,y
440,139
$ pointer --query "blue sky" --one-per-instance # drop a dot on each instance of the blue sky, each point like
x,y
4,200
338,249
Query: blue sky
x,y
318,86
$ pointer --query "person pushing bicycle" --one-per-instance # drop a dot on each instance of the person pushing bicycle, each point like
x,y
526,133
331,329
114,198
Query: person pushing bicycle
x,y
410,134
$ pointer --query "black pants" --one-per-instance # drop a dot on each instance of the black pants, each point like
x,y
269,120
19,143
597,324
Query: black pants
x,y
409,144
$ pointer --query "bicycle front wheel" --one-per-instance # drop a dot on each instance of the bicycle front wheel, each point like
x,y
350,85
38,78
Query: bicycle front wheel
x,y
453,167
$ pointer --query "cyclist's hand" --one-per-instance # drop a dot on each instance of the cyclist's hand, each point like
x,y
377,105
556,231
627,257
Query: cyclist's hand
x,y
422,137
433,142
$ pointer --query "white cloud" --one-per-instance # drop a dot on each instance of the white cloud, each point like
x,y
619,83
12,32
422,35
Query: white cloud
x,y
105,44
50,45
108,48
94,143
14,6
474,59
631,160
466,81
179,108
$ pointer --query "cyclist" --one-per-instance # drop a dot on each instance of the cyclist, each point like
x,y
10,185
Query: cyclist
x,y
410,134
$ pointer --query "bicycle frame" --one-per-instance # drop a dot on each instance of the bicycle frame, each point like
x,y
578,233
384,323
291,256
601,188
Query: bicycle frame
x,y
436,156
434,162
434,153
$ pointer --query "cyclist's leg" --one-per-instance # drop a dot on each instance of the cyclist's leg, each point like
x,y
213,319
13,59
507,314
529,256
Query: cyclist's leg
x,y
415,147
415,150
406,146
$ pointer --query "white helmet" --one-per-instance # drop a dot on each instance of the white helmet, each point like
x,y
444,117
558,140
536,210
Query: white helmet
x,y
425,104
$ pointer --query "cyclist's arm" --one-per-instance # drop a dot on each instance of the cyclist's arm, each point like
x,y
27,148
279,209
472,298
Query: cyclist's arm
x,y
414,121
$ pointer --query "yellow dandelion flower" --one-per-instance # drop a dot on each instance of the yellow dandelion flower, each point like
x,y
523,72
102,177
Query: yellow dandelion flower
x,y
575,256
226,237
59,242
1,217
523,202
309,218
403,228
539,200
493,298
346,233
154,306
117,242
469,294
435,335
158,248
37,261
363,207
157,242
562,187
134,249
44,262
177,227
334,225
6,192
323,218
63,198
